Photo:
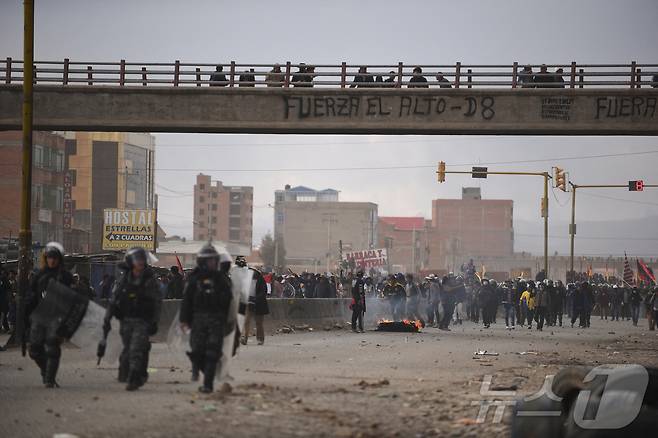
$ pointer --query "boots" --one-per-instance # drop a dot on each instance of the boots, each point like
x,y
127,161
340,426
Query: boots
x,y
135,380
52,365
208,378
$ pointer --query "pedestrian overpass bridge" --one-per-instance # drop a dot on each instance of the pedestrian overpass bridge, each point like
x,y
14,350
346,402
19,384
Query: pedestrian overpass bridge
x,y
250,98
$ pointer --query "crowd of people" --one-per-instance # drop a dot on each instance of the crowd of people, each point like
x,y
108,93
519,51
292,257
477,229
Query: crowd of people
x,y
542,302
305,74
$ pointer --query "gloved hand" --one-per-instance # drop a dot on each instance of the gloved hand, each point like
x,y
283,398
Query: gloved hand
x,y
153,328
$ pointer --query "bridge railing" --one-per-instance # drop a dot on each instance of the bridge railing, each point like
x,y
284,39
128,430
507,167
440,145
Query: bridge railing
x,y
458,75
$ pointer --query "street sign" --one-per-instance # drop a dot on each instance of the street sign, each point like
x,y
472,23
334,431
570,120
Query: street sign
x,y
636,186
124,229
479,172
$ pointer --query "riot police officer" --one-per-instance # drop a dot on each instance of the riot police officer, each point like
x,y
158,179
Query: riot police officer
x,y
136,302
44,340
205,308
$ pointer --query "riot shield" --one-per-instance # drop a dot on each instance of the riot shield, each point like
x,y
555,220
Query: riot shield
x,y
178,341
241,277
62,307
90,333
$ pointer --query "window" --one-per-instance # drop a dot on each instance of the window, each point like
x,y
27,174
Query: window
x,y
278,197
202,211
214,195
234,235
202,199
236,197
213,207
202,237
234,222
213,220
234,209
74,176
71,147
202,186
279,217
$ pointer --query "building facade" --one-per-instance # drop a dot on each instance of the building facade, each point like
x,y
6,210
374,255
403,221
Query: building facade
x,y
48,169
314,224
406,239
470,227
106,170
222,212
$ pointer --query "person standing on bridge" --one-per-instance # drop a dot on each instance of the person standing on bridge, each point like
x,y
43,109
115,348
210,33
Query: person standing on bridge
x,y
218,79
543,79
362,78
443,82
525,77
391,81
275,77
417,80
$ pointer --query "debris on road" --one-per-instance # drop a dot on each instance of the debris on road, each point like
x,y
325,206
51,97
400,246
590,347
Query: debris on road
x,y
485,353
378,384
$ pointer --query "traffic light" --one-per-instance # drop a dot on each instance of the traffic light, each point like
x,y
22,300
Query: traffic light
x,y
560,178
479,172
636,186
441,172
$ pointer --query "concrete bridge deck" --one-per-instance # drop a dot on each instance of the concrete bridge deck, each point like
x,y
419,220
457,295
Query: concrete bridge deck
x,y
517,111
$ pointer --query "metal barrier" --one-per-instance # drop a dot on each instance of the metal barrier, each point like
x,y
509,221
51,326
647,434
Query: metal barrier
x,y
458,75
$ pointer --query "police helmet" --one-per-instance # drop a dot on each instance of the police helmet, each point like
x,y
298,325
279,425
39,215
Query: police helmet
x,y
493,283
134,254
55,250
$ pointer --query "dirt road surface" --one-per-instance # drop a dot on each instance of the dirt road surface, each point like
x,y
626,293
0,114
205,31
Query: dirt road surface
x,y
320,383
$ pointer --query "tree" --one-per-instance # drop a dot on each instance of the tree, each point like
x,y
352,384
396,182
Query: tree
x,y
268,252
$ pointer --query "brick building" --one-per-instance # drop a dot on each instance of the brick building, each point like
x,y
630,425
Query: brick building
x,y
470,227
222,212
406,239
47,185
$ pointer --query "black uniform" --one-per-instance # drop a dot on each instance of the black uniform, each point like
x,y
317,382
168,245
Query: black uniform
x,y
358,303
44,342
448,295
206,301
136,303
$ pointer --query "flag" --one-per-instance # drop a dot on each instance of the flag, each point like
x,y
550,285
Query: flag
x,y
628,272
180,265
644,272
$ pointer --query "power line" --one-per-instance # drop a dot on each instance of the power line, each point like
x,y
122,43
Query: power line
x,y
618,199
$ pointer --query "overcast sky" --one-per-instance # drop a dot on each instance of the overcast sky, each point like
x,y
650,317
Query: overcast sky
x,y
372,32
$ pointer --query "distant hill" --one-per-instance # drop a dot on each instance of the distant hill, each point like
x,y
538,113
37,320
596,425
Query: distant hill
x,y
638,237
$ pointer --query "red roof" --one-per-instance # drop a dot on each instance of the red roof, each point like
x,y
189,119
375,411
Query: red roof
x,y
404,223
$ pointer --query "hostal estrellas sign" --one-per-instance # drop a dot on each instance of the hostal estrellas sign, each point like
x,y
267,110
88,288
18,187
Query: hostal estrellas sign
x,y
124,229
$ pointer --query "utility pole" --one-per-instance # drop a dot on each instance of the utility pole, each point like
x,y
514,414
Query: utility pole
x,y
25,232
483,172
632,186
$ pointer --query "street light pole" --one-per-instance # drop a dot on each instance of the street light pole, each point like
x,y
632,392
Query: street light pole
x,y
25,232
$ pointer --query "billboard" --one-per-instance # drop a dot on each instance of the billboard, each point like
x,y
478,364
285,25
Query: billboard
x,y
366,259
124,229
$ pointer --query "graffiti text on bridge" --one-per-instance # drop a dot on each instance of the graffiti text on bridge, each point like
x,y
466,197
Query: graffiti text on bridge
x,y
305,107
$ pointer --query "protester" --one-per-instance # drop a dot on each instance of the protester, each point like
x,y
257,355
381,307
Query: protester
x,y
175,284
257,308
417,80
275,77
218,79
358,304
443,82
362,79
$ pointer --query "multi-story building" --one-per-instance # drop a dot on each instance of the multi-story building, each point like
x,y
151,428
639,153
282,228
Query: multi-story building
x,y
222,212
470,227
406,241
313,224
106,170
47,185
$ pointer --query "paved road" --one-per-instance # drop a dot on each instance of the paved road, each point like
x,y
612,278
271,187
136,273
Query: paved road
x,y
322,383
